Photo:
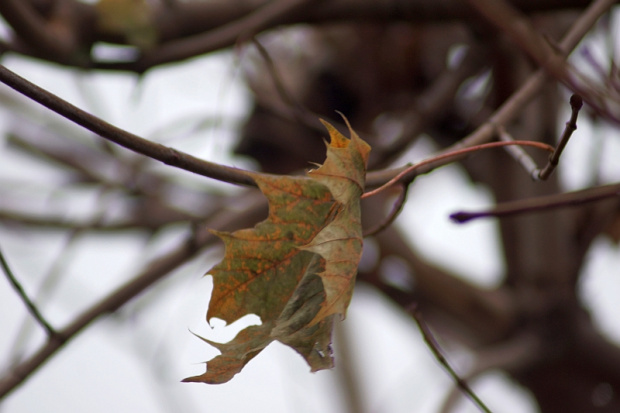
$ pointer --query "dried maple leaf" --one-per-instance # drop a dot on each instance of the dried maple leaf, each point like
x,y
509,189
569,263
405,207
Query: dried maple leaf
x,y
295,270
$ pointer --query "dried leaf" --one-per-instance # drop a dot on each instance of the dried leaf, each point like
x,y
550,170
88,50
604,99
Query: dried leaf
x,y
295,270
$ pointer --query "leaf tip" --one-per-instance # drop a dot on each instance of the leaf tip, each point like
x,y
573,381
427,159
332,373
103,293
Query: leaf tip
x,y
337,139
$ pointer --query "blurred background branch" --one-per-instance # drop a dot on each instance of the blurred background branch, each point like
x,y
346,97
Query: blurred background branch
x,y
415,78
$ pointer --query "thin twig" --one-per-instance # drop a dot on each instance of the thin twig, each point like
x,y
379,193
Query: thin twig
x,y
517,354
396,209
430,340
518,153
123,138
300,112
446,158
571,126
526,161
542,203
275,76
49,282
34,311
94,225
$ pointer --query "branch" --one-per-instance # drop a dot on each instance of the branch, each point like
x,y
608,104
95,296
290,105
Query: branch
x,y
434,346
396,209
208,26
94,225
121,137
185,161
571,126
90,164
518,154
448,157
34,311
218,38
526,160
515,354
542,203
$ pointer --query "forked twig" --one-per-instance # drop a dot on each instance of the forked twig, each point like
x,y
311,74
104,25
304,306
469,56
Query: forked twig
x,y
518,153
32,308
430,340
451,157
571,126
526,161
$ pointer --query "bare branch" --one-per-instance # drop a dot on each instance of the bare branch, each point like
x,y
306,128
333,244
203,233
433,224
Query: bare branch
x,y
571,126
434,346
190,28
299,112
518,153
220,37
396,209
515,354
121,137
448,157
526,160
542,203
34,311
